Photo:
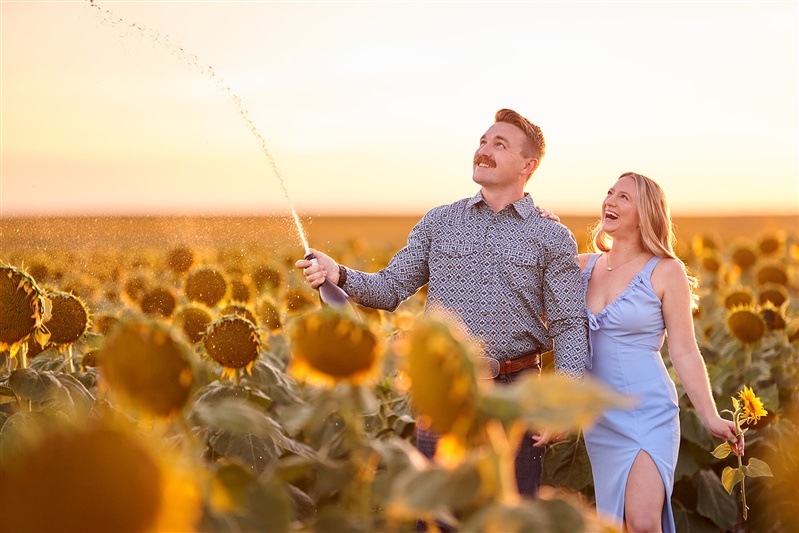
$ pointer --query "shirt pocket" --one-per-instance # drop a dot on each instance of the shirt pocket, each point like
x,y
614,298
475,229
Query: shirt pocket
x,y
450,263
454,249
522,269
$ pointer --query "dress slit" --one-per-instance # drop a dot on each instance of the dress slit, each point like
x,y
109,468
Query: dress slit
x,y
664,516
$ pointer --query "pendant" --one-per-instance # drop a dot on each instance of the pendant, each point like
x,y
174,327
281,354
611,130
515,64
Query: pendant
x,y
610,268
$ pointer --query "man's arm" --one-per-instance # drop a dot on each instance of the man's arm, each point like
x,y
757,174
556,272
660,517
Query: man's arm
x,y
405,273
564,305
403,276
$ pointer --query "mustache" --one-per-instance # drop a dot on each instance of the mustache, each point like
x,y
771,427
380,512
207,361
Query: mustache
x,y
484,159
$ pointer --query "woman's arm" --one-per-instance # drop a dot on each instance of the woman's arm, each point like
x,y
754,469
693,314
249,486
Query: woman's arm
x,y
671,284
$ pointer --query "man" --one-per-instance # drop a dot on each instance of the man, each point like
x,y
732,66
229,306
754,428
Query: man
x,y
508,275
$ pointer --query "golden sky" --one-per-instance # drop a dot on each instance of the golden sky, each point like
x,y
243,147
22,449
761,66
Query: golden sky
x,y
377,107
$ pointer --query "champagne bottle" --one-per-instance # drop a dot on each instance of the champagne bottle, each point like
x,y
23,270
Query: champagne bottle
x,y
331,294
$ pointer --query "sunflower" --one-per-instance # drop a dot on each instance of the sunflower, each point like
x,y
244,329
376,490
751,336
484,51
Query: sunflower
x,y
97,478
751,406
38,270
442,376
371,315
772,273
266,278
710,260
746,324
792,330
147,367
770,244
298,300
241,310
180,259
159,302
328,346
743,256
269,314
773,316
104,323
771,292
240,290
70,318
206,285
233,342
193,320
738,296
703,243
23,310
134,287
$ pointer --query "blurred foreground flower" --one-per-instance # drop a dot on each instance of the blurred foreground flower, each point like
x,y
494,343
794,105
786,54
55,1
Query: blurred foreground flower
x,y
98,478
328,346
748,409
147,368
443,378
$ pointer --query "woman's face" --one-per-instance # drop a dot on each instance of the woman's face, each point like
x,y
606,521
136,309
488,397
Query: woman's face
x,y
620,207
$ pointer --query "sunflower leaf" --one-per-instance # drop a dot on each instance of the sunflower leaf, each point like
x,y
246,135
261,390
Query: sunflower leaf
x,y
722,450
7,395
566,464
31,385
730,477
715,502
757,468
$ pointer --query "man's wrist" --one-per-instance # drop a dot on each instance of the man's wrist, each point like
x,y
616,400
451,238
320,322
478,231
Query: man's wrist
x,y
342,276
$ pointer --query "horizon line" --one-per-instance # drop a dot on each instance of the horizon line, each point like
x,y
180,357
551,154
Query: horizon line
x,y
365,214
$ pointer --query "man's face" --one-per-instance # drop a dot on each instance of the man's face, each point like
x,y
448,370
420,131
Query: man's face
x,y
499,160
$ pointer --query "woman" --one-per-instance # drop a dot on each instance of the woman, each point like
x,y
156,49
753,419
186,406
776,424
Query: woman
x,y
636,291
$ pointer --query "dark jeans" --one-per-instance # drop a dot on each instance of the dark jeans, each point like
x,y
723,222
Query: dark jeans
x,y
529,460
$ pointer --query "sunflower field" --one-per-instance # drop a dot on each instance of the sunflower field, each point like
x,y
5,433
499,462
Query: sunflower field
x,y
170,384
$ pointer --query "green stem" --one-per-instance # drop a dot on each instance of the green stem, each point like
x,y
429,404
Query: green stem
x,y
22,355
743,486
747,356
68,357
358,494
193,445
738,435
195,449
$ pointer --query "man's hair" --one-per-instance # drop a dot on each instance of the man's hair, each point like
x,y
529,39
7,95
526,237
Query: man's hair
x,y
536,145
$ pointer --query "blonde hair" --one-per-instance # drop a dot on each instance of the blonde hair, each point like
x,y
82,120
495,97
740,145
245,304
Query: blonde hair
x,y
654,216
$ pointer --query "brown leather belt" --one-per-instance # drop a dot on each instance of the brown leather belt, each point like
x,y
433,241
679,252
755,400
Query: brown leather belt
x,y
520,363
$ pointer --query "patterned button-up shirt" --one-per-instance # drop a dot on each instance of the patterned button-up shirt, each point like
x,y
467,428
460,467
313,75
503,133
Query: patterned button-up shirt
x,y
512,278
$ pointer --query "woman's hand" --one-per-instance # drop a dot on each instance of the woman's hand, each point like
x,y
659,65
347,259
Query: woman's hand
x,y
546,213
725,429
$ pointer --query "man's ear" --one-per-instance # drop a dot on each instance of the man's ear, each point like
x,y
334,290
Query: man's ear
x,y
530,166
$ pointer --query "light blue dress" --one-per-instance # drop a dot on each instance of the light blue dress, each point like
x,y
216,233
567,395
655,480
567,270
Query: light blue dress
x,y
625,341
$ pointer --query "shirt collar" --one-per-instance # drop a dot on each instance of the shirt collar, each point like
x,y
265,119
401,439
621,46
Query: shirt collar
x,y
524,206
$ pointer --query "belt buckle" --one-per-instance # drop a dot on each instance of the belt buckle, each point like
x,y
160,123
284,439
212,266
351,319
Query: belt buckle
x,y
487,367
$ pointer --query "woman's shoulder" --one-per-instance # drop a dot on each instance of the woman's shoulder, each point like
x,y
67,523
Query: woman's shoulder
x,y
670,272
583,259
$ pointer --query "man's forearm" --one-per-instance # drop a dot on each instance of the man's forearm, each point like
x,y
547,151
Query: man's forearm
x,y
570,337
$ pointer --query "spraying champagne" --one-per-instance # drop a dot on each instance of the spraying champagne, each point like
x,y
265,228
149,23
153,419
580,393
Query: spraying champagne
x,y
331,294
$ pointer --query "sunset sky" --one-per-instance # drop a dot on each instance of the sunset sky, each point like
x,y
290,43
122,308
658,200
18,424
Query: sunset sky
x,y
377,107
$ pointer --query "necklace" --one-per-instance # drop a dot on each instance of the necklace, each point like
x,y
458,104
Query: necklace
x,y
607,261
